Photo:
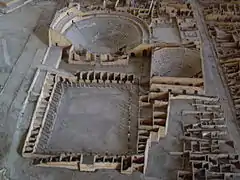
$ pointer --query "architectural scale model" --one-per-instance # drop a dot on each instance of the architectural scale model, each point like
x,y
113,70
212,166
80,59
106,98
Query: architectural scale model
x,y
120,89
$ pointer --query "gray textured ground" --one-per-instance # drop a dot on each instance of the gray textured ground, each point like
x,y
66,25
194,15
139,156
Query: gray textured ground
x,y
104,34
175,62
169,34
92,119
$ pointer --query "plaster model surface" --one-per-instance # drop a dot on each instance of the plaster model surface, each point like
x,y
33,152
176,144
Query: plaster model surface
x,y
175,62
105,34
119,89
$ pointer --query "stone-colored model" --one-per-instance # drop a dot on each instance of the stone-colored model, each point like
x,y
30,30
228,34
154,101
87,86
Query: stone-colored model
x,y
114,34
147,88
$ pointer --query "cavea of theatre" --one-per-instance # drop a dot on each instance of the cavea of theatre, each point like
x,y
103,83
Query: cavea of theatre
x,y
120,89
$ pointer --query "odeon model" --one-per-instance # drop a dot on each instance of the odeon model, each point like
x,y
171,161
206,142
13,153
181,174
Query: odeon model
x,y
99,35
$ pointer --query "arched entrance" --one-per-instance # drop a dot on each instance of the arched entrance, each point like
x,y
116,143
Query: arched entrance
x,y
144,53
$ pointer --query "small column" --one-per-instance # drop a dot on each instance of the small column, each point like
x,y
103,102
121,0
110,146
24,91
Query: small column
x,y
89,56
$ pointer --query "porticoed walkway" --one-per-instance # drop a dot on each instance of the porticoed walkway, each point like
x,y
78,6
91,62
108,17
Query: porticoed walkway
x,y
91,119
